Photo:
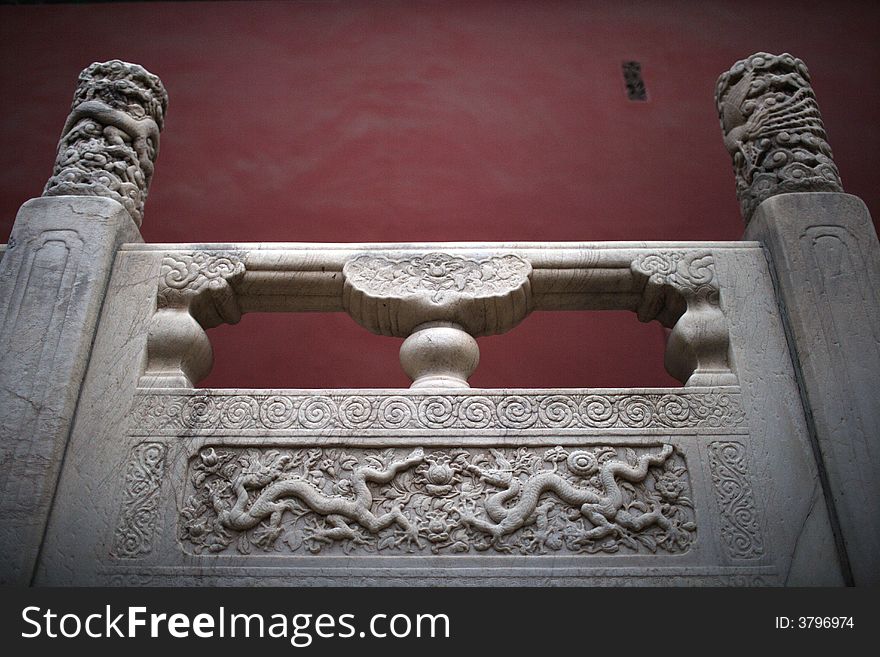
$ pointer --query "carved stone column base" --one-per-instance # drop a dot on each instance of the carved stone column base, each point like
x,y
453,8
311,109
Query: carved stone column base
x,y
439,355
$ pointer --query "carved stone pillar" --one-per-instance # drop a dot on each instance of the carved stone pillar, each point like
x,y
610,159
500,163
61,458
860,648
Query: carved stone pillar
x,y
698,345
773,130
827,261
53,277
111,137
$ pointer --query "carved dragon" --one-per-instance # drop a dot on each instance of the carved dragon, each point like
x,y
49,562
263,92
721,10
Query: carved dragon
x,y
601,510
279,492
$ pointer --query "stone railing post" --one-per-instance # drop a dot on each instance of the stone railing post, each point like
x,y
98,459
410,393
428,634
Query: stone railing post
x,y
827,260
53,277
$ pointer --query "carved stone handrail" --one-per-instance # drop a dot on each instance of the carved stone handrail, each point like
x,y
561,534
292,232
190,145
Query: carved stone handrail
x,y
439,297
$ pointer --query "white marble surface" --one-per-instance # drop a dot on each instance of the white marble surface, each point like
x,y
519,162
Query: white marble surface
x,y
52,281
827,262
698,485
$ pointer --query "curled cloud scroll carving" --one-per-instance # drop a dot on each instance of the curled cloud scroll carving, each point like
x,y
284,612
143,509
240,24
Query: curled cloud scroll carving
x,y
170,414
740,527
140,506
184,276
691,273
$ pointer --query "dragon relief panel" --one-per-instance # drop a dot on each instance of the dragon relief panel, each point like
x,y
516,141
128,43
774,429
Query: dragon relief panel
x,y
517,501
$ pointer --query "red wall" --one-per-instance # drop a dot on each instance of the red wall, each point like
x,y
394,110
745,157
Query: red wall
x,y
418,121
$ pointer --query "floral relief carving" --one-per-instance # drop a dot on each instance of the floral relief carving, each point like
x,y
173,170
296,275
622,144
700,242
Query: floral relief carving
x,y
180,414
773,130
602,499
111,138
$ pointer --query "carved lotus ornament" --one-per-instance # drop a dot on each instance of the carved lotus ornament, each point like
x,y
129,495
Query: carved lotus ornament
x,y
393,296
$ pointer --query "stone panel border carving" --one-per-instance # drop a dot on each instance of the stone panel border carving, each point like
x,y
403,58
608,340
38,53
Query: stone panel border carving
x,y
285,412
589,575
740,527
137,519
